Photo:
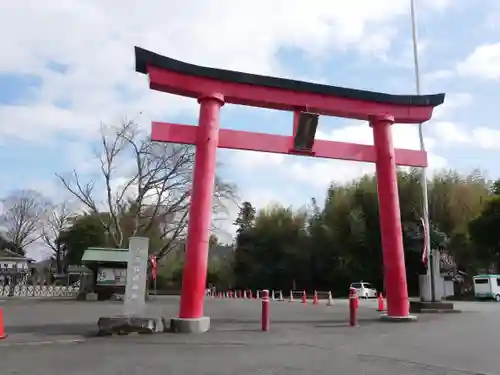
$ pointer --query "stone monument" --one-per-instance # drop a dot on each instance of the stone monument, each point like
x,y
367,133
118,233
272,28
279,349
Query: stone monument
x,y
134,318
135,287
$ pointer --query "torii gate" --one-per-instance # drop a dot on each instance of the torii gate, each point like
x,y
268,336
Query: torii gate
x,y
215,87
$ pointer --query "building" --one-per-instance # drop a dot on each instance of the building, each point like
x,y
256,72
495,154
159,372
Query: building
x,y
11,260
12,263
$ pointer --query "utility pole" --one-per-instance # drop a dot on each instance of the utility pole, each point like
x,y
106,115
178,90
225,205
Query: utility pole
x,y
423,173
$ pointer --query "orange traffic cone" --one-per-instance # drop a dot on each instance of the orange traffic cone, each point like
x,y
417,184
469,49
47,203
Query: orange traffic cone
x,y
380,302
304,297
315,298
2,331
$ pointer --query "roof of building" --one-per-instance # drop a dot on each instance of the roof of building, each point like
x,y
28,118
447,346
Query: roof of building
x,y
102,254
8,254
486,276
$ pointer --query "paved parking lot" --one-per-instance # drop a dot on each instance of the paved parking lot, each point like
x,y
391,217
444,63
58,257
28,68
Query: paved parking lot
x,y
54,338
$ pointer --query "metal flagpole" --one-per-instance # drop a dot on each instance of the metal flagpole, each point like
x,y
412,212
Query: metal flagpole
x,y
423,174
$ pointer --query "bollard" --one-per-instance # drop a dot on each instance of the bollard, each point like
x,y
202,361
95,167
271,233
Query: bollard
x,y
353,307
380,302
3,335
315,298
265,310
330,299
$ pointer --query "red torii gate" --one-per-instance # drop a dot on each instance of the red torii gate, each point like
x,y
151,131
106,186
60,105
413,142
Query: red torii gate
x,y
215,87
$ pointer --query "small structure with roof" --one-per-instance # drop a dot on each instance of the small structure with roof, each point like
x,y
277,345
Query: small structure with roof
x,y
109,267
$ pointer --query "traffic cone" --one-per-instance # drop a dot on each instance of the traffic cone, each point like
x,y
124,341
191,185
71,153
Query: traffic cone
x,y
304,297
380,302
250,294
291,296
315,298
330,299
2,330
257,295
244,294
281,296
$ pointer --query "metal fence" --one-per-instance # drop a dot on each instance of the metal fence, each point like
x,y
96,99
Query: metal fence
x,y
25,290
22,283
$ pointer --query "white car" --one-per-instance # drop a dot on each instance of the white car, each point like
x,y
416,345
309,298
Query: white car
x,y
364,290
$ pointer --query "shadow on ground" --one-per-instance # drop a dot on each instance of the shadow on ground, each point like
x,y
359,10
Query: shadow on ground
x,y
59,329
87,330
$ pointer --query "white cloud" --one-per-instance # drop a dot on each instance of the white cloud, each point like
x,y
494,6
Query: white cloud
x,y
93,40
451,103
438,4
449,132
437,75
483,62
457,135
486,138
320,174
254,159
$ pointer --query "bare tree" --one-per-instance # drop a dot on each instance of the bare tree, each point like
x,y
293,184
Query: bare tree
x,y
146,187
58,219
23,216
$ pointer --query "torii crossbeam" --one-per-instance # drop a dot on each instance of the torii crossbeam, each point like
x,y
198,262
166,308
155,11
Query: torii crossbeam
x,y
215,87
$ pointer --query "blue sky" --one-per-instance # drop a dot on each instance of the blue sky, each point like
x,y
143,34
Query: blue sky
x,y
68,67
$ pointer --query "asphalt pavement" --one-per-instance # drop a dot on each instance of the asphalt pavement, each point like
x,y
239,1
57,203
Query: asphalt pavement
x,y
47,337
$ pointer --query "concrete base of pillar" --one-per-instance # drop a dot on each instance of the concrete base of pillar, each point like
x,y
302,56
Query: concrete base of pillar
x,y
398,319
438,307
91,297
199,325
124,325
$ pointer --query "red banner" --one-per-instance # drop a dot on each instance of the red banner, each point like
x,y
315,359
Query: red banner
x,y
154,272
425,252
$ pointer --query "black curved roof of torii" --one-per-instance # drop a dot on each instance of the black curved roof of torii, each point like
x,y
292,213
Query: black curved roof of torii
x,y
144,57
